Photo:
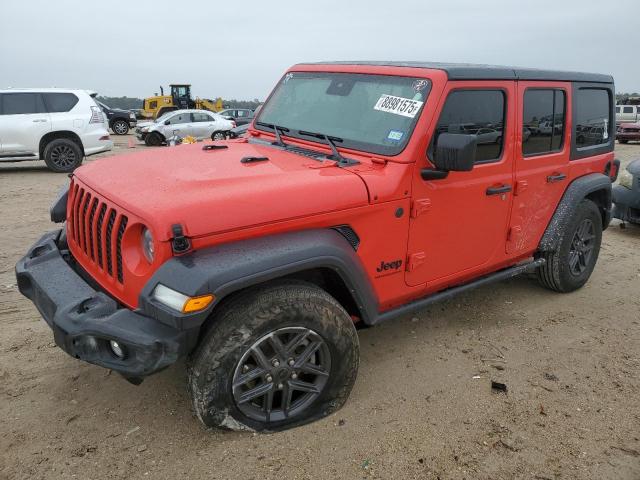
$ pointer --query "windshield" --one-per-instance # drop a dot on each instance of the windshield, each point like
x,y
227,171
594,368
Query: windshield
x,y
373,113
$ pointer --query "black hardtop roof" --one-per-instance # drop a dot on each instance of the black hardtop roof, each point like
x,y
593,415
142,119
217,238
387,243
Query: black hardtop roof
x,y
469,71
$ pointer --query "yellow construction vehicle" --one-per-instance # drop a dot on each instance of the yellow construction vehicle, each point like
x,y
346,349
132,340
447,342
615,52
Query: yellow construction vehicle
x,y
180,98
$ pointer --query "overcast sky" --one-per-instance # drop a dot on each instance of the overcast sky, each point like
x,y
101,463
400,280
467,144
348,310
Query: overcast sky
x,y
238,49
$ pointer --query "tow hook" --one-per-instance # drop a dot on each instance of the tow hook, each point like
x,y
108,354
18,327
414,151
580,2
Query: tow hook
x,y
180,244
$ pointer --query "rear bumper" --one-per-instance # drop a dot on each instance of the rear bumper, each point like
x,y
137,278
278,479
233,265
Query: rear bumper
x,y
85,320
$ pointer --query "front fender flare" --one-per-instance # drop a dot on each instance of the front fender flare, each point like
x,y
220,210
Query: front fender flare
x,y
227,268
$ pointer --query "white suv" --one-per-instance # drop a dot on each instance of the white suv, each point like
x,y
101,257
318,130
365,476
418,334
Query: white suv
x,y
56,125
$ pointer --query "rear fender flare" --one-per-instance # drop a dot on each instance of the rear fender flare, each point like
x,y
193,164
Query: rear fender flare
x,y
583,187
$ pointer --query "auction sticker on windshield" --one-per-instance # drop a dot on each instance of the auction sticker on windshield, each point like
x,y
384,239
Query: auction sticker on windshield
x,y
398,105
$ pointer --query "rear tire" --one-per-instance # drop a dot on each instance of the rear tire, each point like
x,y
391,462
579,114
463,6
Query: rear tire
x,y
120,127
219,135
256,346
153,139
63,155
571,265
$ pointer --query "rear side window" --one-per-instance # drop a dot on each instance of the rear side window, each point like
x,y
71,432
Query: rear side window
x,y
543,121
60,102
627,109
475,112
593,107
202,117
21,103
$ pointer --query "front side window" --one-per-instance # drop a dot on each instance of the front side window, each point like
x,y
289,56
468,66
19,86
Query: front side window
x,y
543,121
593,107
475,112
180,118
22,103
61,102
372,113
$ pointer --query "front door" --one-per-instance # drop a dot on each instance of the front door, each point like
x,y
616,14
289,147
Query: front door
x,y
459,224
23,123
542,160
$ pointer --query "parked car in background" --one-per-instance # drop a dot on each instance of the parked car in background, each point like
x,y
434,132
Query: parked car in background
x,y
628,132
241,116
200,124
119,120
56,125
626,194
627,113
241,130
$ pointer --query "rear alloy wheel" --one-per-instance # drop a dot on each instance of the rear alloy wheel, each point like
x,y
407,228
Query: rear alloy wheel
x,y
218,136
62,155
120,127
274,357
571,265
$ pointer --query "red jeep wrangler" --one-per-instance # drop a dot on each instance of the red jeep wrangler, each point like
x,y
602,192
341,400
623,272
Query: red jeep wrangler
x,y
364,191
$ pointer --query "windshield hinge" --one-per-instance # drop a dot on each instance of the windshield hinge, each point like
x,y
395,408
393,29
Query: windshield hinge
x,y
179,244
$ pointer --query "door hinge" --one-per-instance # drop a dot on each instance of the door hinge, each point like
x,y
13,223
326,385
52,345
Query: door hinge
x,y
415,260
420,206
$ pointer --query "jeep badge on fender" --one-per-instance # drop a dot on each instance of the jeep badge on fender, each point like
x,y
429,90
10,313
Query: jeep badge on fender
x,y
163,254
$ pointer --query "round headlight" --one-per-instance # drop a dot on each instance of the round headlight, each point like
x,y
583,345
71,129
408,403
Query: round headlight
x,y
147,244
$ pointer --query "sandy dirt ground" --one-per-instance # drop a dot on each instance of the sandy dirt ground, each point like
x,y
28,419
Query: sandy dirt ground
x,y
422,406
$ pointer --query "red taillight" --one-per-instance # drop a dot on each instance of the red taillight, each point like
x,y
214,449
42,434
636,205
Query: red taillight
x,y
104,137
96,115
234,124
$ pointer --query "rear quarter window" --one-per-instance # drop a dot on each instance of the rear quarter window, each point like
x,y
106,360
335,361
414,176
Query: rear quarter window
x,y
60,102
593,117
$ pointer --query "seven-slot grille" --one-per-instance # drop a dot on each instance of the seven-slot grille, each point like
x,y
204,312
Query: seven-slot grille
x,y
97,229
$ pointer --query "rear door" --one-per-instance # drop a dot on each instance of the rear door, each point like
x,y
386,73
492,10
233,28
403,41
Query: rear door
x,y
628,113
542,161
23,122
203,125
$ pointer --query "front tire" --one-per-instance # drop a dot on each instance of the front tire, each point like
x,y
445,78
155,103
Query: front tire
x,y
275,357
120,127
62,155
153,139
571,265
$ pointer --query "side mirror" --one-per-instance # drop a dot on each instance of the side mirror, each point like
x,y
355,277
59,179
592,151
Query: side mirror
x,y
167,122
453,153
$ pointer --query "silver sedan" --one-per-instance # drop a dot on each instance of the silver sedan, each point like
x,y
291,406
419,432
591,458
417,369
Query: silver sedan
x,y
200,124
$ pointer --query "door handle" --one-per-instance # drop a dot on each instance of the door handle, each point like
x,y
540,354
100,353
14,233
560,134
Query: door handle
x,y
39,120
498,190
556,177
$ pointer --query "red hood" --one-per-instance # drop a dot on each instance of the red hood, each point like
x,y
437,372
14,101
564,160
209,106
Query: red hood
x,y
212,191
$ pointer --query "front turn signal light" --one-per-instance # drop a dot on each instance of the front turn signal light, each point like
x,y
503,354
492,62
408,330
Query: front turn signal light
x,y
195,304
180,302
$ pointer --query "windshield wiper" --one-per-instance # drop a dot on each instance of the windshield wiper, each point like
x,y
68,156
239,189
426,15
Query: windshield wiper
x,y
342,161
276,129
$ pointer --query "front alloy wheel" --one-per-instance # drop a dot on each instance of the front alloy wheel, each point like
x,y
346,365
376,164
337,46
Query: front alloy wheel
x,y
274,357
120,127
281,374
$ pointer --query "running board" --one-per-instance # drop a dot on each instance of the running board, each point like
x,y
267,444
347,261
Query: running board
x,y
453,291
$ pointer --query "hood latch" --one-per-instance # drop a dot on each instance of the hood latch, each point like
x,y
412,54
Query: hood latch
x,y
179,244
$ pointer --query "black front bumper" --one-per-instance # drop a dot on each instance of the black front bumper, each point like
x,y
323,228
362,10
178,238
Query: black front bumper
x,y
85,320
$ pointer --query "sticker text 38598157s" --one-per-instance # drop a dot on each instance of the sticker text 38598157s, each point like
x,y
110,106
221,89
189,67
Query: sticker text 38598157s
x,y
398,105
